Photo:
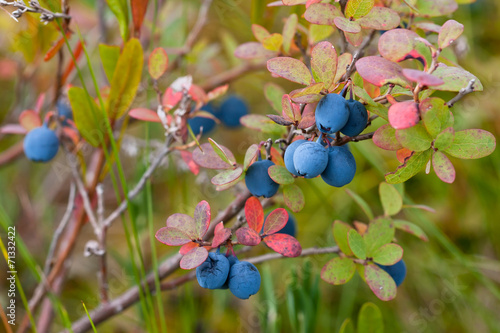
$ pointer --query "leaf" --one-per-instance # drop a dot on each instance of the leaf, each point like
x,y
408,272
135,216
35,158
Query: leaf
x,y
343,61
253,50
455,78
392,202
109,58
144,114
250,156
172,236
157,63
13,129
421,77
395,45
385,138
361,203
428,26
138,8
260,32
206,157
254,214
279,120
472,144
221,236
318,33
274,93
443,167
275,221
291,69
322,13
308,118
247,236
89,120
57,46
294,198
262,123
435,115
184,223
445,139
227,176
338,271
356,244
355,39
388,254
221,152
280,175
340,234
379,71
432,8
414,138
380,18
187,157
363,95
381,283
324,63
273,42
308,95
449,33
411,228
346,25
187,247
379,233
284,244
276,157
358,8
413,165
289,30
194,258
29,120
403,115
286,107
217,92
347,326
120,10
370,319
126,79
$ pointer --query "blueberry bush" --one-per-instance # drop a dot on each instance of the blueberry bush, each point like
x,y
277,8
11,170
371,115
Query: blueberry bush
x,y
253,146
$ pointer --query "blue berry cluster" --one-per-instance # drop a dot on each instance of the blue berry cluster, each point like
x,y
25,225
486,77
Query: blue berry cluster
x,y
220,272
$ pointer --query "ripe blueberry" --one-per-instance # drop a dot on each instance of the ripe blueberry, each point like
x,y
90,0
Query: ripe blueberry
x,y
208,124
231,110
213,272
310,159
244,279
232,260
41,144
358,117
289,152
331,113
258,181
64,110
396,271
341,167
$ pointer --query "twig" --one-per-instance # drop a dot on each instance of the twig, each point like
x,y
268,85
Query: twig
x,y
45,14
345,139
462,93
230,75
102,275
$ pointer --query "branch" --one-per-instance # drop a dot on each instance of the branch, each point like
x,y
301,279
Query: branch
x,y
45,15
230,75
345,139
462,93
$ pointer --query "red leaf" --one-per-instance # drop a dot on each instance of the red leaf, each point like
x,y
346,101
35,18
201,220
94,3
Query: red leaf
x,y
217,92
29,119
202,217
171,98
422,77
183,222
209,159
443,167
221,236
385,138
275,221
13,129
218,227
380,71
252,50
308,118
172,236
188,158
404,115
77,52
157,62
145,114
139,8
187,247
284,244
276,157
254,214
247,236
57,46
194,258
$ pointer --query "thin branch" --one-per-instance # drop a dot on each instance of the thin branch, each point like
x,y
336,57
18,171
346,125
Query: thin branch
x,y
462,93
345,139
34,7
231,75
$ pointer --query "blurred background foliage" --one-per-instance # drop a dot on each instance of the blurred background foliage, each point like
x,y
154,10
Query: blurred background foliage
x,y
453,281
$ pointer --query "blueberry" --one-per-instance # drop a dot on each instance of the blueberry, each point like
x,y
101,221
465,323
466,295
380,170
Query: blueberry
x,y
244,279
290,150
310,159
231,110
341,167
213,272
232,260
64,110
258,181
208,124
41,144
358,117
331,113
290,227
396,271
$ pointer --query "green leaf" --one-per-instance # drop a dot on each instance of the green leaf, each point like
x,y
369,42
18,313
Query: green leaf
x,y
414,138
379,233
273,42
89,120
342,62
388,254
289,30
346,25
356,244
391,199
370,319
274,94
262,123
220,152
319,32
120,9
340,234
361,203
443,167
358,8
411,228
435,115
445,139
433,8
380,18
227,176
157,63
381,283
380,110
280,175
449,33
385,138
260,32
294,198
472,144
291,69
455,78
109,58
410,168
126,79
347,326
324,63
338,271
311,91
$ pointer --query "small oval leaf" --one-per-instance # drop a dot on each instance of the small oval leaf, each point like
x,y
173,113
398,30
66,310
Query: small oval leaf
x,y
284,244
194,258
247,236
338,271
